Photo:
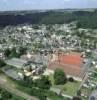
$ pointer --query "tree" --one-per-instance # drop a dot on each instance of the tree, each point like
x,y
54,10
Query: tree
x,y
7,52
35,26
40,93
71,79
76,98
11,53
2,63
59,77
30,69
79,93
43,82
27,81
6,95
14,53
22,50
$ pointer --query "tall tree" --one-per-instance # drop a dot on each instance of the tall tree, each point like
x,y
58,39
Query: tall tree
x,y
2,63
6,95
59,77
44,82
22,50
7,53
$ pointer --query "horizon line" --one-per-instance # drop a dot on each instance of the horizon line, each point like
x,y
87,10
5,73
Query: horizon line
x,y
47,9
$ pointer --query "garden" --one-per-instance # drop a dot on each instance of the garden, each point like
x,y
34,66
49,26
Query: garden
x,y
70,87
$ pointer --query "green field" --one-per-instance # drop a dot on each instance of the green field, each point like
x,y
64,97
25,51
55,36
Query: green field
x,y
70,88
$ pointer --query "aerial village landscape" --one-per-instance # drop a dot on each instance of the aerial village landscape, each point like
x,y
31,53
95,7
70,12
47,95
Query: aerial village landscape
x,y
36,51
48,49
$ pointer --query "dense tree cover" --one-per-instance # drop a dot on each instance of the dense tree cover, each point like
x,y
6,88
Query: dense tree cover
x,y
22,50
86,19
44,94
14,53
4,95
59,77
43,82
39,88
9,53
58,18
39,93
27,81
51,17
82,18
2,63
15,19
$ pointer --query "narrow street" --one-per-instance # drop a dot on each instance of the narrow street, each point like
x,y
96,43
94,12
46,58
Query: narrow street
x,y
83,81
93,94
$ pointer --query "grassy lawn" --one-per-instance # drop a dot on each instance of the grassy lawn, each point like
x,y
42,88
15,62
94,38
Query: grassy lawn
x,y
70,88
51,79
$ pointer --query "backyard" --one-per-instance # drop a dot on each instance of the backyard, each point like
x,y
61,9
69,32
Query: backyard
x,y
69,88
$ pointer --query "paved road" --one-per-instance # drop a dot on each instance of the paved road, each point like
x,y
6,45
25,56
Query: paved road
x,y
93,94
83,81
11,88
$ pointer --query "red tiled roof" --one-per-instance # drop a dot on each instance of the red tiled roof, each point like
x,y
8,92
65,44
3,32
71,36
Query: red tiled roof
x,y
70,63
71,59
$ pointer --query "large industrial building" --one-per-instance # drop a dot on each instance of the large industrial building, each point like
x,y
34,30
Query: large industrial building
x,y
72,63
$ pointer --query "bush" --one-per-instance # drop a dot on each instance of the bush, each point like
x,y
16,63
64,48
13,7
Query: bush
x,y
6,95
79,93
39,93
76,98
43,83
2,63
59,77
7,52
71,79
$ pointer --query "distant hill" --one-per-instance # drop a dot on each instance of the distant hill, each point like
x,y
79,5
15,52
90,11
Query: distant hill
x,y
87,18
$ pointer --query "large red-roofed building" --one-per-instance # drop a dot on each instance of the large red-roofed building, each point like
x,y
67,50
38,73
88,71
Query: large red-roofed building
x,y
71,63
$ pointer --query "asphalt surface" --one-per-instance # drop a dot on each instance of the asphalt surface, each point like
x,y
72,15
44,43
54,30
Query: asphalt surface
x,y
94,94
